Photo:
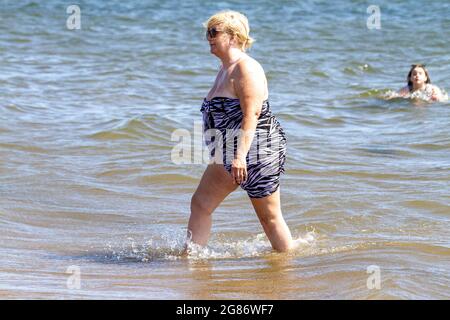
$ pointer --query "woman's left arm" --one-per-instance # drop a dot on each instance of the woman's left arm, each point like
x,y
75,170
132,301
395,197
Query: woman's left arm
x,y
437,94
250,86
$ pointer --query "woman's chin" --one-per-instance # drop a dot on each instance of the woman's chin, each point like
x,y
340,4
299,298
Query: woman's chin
x,y
214,52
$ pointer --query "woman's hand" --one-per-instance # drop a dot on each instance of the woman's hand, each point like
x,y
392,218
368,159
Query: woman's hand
x,y
239,170
403,92
434,95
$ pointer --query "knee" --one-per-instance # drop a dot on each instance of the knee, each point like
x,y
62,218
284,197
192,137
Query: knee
x,y
200,206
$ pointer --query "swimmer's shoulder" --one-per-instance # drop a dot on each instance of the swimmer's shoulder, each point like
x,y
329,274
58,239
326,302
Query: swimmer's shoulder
x,y
434,87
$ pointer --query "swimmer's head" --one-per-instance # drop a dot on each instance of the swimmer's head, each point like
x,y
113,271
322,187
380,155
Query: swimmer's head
x,y
233,23
417,75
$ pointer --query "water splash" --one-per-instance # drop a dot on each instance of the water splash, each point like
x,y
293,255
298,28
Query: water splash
x,y
161,247
178,246
424,96
218,249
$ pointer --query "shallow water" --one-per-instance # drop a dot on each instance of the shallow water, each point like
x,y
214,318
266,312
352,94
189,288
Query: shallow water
x,y
86,177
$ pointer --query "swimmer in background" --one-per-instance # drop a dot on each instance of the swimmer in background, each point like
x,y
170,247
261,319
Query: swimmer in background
x,y
420,87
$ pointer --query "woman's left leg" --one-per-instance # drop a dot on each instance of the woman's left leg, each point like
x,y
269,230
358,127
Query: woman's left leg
x,y
268,210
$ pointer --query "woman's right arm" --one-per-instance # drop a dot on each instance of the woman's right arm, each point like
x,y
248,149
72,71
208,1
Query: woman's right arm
x,y
404,91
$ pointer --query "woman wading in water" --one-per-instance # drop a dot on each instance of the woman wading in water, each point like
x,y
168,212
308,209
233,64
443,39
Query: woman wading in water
x,y
238,102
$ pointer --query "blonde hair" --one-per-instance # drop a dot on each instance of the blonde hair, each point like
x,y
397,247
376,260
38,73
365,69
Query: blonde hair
x,y
234,23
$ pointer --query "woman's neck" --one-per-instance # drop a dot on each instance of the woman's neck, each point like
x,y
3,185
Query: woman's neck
x,y
231,57
418,86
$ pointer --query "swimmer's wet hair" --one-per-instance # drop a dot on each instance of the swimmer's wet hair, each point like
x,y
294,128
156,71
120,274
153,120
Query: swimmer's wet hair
x,y
408,78
234,23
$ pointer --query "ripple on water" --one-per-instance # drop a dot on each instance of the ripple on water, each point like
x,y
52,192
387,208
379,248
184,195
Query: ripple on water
x,y
170,247
140,128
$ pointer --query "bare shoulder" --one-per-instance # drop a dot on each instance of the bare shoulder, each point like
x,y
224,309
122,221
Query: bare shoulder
x,y
250,79
249,67
435,88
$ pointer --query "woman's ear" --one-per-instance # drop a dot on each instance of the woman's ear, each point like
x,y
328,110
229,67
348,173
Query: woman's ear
x,y
233,40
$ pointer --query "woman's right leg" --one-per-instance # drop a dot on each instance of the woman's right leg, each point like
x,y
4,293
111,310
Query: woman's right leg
x,y
216,184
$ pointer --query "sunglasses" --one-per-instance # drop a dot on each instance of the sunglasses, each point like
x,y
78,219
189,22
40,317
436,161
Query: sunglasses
x,y
212,32
418,65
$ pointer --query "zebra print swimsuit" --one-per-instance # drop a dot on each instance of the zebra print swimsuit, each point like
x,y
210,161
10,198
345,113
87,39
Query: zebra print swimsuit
x,y
222,119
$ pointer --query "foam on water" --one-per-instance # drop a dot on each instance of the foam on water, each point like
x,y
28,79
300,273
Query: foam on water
x,y
172,247
421,96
